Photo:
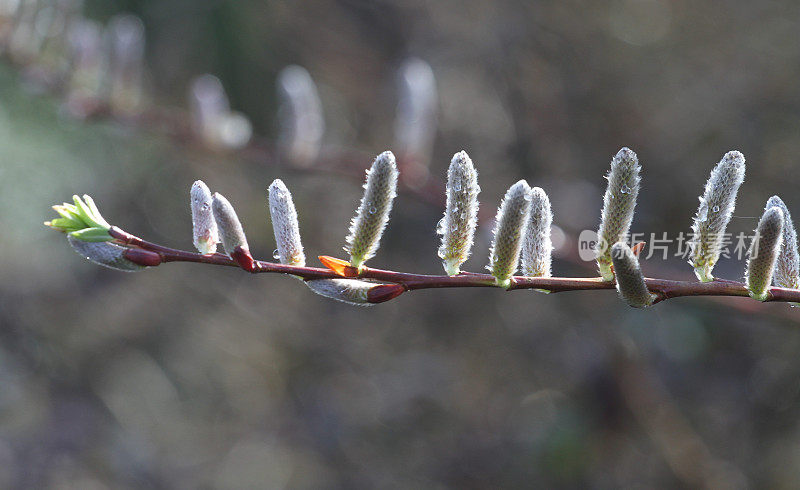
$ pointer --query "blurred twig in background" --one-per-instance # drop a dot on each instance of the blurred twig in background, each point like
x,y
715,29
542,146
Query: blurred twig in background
x,y
224,383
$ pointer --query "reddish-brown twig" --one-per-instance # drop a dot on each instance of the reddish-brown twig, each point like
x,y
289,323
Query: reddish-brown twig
x,y
663,288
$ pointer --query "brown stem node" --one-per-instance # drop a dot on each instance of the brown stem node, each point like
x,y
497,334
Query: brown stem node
x,y
142,257
384,292
243,257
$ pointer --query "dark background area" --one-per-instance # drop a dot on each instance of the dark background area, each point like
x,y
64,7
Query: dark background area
x,y
188,376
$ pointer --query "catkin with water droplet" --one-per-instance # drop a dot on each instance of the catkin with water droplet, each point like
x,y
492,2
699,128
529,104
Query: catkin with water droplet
x,y
619,203
714,213
461,213
366,228
285,225
204,227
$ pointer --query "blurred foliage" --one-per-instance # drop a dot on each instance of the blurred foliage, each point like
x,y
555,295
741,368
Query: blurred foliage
x,y
199,377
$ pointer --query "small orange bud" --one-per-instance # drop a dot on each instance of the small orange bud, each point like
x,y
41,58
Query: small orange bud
x,y
339,266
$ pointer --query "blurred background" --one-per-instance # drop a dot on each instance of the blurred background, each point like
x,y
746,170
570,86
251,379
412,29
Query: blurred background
x,y
188,376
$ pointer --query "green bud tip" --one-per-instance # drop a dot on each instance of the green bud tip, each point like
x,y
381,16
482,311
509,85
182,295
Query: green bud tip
x,y
81,220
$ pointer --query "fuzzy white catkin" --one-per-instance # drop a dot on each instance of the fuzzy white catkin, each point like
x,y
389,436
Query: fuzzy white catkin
x,y
106,254
457,227
228,224
763,253
126,61
630,280
415,125
537,249
204,227
619,203
366,228
235,131
285,225
209,107
511,221
300,115
351,291
84,43
714,213
787,268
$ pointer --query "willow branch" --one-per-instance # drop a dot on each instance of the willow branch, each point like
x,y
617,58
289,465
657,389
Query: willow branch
x,y
663,288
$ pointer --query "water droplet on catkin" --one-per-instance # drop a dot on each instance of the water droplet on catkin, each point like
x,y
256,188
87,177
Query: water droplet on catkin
x,y
440,227
276,255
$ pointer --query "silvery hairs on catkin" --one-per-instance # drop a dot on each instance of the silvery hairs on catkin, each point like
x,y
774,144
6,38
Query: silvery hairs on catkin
x,y
351,291
372,214
290,250
714,213
106,254
787,268
511,221
763,253
204,227
619,203
457,227
630,280
285,225
228,224
537,249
